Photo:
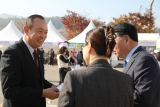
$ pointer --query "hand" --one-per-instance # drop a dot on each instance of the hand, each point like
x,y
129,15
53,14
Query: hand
x,y
75,62
51,93
69,57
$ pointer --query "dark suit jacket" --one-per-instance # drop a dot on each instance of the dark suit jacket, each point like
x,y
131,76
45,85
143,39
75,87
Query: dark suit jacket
x,y
22,82
97,85
145,72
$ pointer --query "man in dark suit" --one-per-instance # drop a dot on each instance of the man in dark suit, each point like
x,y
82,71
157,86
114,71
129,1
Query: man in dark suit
x,y
140,65
22,73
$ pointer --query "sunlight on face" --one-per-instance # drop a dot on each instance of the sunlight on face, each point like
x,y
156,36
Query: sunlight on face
x,y
86,55
38,33
119,48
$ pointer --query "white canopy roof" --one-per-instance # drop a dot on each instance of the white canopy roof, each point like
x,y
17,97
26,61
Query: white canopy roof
x,y
53,36
158,43
81,37
10,34
148,36
148,39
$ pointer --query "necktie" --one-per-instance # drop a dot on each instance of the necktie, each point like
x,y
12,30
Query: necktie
x,y
124,63
35,58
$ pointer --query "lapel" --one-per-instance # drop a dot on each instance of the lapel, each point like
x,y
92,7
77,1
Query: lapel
x,y
132,59
29,57
100,63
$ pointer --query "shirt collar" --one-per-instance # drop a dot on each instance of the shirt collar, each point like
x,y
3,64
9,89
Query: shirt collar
x,y
130,53
31,50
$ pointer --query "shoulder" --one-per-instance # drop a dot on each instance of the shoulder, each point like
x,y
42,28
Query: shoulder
x,y
15,48
144,55
88,71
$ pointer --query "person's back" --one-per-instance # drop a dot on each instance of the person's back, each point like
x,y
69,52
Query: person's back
x,y
99,85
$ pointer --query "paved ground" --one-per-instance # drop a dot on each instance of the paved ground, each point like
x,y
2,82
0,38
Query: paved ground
x,y
52,75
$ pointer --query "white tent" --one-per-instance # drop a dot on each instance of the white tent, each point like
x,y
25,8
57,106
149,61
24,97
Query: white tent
x,y
158,43
53,36
81,37
10,34
148,39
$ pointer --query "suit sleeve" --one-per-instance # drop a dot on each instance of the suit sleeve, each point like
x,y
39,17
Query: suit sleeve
x,y
66,98
46,83
146,80
12,80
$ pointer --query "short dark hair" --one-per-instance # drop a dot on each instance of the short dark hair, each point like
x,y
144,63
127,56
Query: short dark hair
x,y
30,19
125,28
102,40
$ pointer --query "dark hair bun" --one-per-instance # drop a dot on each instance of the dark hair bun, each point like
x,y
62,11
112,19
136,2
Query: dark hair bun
x,y
102,40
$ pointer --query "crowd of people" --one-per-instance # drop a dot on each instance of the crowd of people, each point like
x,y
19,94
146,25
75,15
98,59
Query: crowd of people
x,y
51,57
96,85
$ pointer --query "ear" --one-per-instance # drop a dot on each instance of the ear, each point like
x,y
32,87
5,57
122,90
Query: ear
x,y
89,47
26,29
128,40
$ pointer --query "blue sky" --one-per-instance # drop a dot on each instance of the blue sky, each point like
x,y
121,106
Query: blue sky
x,y
103,9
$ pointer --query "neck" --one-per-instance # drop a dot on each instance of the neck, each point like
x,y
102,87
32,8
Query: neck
x,y
133,45
93,58
30,43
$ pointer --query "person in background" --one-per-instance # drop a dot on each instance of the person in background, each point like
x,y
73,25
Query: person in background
x,y
0,54
97,85
71,61
62,61
80,58
139,64
22,74
43,53
51,57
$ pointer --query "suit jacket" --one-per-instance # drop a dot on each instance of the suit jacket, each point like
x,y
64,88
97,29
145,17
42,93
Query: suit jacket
x,y
145,73
22,82
97,85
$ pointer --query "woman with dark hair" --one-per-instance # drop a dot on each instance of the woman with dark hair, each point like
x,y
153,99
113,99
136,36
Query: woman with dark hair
x,y
97,85
62,61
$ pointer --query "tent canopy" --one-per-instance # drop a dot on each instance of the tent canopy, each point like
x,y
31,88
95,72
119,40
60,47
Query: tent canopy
x,y
148,39
10,34
53,36
81,37
148,36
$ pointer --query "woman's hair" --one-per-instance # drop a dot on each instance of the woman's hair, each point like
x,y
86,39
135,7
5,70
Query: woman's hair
x,y
102,39
62,50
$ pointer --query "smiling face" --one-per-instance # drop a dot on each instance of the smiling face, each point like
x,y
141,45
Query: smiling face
x,y
37,34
